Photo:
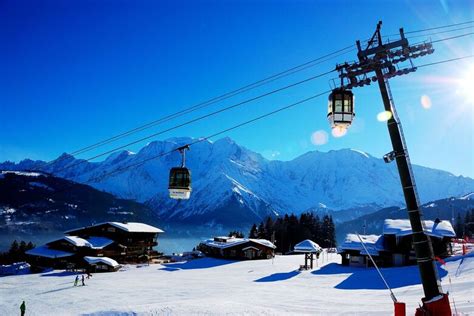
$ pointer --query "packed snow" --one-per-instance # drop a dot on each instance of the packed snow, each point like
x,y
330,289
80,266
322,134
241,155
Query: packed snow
x,y
220,287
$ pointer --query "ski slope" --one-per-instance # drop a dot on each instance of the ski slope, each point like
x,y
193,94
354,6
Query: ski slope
x,y
218,287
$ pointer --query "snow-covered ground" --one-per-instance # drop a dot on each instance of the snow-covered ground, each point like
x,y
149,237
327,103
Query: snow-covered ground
x,y
218,287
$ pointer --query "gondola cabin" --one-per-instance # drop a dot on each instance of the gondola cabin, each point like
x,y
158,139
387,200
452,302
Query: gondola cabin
x,y
340,108
180,183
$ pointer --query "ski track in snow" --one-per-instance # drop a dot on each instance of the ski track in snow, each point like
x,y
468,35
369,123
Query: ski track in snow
x,y
219,287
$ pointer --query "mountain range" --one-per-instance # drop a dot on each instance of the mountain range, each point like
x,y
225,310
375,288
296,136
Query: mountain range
x,y
234,185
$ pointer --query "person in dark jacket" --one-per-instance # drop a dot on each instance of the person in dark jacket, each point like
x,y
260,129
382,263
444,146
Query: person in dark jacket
x,y
22,308
83,280
76,280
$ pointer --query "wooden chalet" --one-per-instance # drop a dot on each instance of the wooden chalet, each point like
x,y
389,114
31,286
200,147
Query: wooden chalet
x,y
238,248
395,246
111,241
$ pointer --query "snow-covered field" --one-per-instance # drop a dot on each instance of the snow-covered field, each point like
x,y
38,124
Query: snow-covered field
x,y
217,287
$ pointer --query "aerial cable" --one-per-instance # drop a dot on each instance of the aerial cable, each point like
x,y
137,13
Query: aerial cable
x,y
209,136
222,97
198,119
438,27
230,94
443,32
452,37
430,29
431,34
245,123
445,61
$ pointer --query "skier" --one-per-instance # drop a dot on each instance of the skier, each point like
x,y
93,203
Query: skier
x,y
22,308
83,280
77,280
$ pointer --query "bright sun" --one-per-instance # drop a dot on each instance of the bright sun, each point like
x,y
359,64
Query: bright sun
x,y
466,85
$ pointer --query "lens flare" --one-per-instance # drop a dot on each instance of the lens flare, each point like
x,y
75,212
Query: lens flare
x,y
384,116
466,85
339,131
319,138
425,102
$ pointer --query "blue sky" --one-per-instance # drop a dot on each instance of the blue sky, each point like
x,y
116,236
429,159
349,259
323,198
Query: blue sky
x,y
76,72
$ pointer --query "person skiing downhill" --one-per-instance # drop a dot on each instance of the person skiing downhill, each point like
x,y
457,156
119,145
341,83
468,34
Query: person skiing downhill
x,y
77,280
83,280
22,308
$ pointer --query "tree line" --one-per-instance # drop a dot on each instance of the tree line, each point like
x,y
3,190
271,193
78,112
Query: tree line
x,y
16,253
288,230
465,226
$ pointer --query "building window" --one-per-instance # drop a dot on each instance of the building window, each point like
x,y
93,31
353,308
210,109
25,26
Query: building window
x,y
111,229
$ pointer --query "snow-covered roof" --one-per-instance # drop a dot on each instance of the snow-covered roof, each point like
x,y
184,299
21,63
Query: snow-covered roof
x,y
131,227
232,241
373,243
307,246
136,227
402,227
92,242
105,260
44,251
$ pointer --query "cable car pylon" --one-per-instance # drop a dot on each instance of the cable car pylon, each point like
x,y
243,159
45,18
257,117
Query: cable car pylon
x,y
180,178
379,62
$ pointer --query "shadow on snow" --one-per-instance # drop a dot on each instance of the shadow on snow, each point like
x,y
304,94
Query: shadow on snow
x,y
60,274
203,263
369,279
278,276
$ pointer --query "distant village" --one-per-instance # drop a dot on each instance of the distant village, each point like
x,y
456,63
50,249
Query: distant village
x,y
106,247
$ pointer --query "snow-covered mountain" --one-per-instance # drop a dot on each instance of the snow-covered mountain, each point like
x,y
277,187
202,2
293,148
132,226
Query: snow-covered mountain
x,y
232,184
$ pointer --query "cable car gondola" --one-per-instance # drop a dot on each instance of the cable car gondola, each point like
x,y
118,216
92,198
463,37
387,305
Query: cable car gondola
x,y
180,179
341,108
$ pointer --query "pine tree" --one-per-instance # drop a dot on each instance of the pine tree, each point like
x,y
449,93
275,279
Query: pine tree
x,y
269,228
459,226
261,233
235,233
253,232
30,245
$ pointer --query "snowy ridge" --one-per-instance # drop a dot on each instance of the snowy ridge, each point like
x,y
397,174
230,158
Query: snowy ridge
x,y
231,182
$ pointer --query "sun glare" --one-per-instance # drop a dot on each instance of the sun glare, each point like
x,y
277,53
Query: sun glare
x,y
466,85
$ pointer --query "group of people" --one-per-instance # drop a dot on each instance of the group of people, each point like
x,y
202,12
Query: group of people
x,y
76,281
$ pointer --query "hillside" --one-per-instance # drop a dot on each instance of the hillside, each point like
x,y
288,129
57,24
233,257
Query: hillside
x,y
37,204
